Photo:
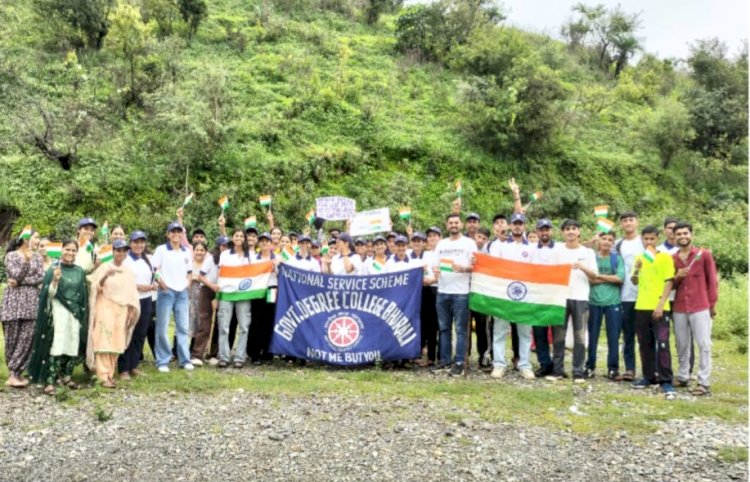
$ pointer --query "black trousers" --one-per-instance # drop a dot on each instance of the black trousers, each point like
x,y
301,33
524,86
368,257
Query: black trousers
x,y
653,341
261,330
429,322
134,352
483,341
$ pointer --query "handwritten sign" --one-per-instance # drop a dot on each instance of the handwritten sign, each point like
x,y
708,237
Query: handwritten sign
x,y
371,222
335,208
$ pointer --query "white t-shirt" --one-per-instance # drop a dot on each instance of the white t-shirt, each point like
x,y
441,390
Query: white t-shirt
x,y
369,268
460,252
209,269
549,254
629,249
578,286
307,264
173,266
338,268
142,271
662,248
395,265
227,258
522,252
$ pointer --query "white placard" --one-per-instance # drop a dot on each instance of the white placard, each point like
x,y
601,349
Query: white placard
x,y
371,222
335,208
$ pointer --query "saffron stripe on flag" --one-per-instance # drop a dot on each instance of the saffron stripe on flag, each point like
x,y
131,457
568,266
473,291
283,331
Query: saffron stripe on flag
x,y
558,274
246,271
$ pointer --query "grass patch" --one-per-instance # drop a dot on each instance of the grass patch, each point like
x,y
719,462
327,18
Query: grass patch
x,y
732,455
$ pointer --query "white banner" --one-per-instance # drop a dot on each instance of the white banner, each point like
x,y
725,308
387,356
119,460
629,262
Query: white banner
x,y
335,208
371,222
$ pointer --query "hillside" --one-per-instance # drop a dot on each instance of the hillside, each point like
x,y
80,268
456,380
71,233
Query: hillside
x,y
384,104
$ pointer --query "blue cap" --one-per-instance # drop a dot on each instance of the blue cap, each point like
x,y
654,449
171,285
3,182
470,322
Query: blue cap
x,y
516,217
315,244
543,223
222,240
264,235
295,234
378,239
136,235
174,225
391,235
400,239
119,244
434,229
304,239
86,221
360,241
473,216
419,235
345,237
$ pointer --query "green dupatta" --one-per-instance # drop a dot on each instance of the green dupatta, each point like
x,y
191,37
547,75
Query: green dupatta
x,y
72,293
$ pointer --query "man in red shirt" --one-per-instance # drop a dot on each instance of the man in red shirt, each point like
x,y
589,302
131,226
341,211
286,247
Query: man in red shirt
x,y
697,290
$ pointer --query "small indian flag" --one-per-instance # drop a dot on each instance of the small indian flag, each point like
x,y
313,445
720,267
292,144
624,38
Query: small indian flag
x,y
697,258
247,282
446,265
604,225
251,222
287,254
54,250
265,200
271,296
85,243
650,254
188,199
104,231
25,232
601,211
310,216
459,188
224,202
404,213
536,196
379,267
518,292
324,250
105,254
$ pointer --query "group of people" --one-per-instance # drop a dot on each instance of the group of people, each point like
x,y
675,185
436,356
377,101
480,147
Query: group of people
x,y
101,309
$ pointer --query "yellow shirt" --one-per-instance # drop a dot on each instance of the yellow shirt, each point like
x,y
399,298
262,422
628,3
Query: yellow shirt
x,y
651,281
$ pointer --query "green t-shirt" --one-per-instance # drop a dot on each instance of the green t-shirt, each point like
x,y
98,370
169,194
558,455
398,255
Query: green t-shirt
x,y
652,279
607,294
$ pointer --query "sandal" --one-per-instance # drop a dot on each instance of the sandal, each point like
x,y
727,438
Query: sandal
x,y
109,384
72,385
238,364
49,390
701,391
222,364
628,376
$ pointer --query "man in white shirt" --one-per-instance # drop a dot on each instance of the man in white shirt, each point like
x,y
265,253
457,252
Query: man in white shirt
x,y
173,268
546,253
516,249
584,270
630,246
453,270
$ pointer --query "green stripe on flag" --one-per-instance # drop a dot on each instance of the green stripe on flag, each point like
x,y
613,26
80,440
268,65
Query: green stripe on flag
x,y
242,295
518,312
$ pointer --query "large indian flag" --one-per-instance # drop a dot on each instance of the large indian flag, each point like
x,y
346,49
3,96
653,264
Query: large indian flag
x,y
532,294
241,283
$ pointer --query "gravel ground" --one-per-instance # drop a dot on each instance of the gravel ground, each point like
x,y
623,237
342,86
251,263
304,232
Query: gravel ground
x,y
236,435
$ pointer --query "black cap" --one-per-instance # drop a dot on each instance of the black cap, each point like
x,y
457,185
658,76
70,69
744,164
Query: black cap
x,y
304,239
434,229
544,223
292,233
400,239
517,217
473,216
418,235
359,241
391,235
264,235
380,239
345,237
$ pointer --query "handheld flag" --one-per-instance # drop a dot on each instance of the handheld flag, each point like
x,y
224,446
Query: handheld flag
x,y
697,257
251,222
224,202
104,231
85,243
54,250
25,232
404,213
601,211
310,216
536,196
287,254
188,199
604,225
247,282
446,265
105,254
379,267
265,200
459,189
650,254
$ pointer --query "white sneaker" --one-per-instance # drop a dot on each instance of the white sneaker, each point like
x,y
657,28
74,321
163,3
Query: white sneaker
x,y
163,369
497,372
213,361
188,366
196,362
527,374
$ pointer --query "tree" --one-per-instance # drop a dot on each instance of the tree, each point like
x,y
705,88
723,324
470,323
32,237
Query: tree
x,y
375,8
610,35
129,41
667,129
86,18
193,12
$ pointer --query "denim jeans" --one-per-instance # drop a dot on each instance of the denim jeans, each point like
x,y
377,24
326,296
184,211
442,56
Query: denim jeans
x,y
613,317
500,331
168,302
242,308
450,308
578,312
628,335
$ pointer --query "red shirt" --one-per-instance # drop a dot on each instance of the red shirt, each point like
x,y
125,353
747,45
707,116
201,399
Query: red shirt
x,y
699,290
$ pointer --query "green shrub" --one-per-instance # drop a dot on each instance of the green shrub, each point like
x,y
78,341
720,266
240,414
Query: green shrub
x,y
731,317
